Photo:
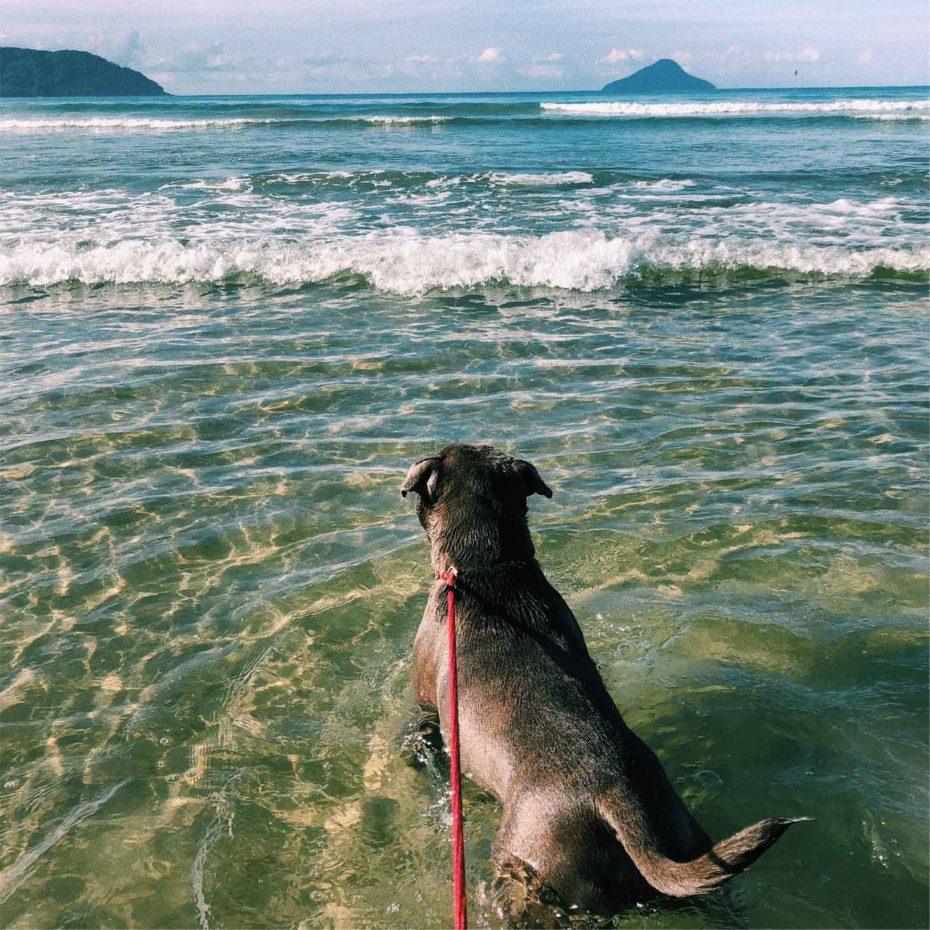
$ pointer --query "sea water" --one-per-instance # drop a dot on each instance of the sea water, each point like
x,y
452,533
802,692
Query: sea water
x,y
229,324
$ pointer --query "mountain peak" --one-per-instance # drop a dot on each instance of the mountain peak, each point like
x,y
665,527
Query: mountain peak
x,y
664,76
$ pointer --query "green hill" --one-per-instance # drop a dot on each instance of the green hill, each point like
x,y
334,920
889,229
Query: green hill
x,y
26,72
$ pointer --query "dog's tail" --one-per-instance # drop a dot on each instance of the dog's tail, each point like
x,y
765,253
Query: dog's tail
x,y
681,879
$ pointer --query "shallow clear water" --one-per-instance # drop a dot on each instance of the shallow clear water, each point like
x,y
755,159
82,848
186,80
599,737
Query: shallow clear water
x,y
221,345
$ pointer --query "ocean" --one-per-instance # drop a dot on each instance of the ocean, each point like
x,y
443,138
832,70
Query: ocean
x,y
227,327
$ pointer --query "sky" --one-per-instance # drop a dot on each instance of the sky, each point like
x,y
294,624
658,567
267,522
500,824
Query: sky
x,y
398,46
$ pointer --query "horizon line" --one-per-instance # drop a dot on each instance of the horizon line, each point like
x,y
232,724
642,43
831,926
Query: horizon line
x,y
491,93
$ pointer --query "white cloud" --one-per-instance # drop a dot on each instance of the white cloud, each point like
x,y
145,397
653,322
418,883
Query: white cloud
x,y
491,55
540,71
194,58
616,55
129,50
555,56
328,61
865,56
488,64
806,54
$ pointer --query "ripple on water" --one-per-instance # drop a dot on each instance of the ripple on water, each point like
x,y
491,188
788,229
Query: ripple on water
x,y
210,587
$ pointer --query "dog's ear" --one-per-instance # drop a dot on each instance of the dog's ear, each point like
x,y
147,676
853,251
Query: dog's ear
x,y
422,477
531,480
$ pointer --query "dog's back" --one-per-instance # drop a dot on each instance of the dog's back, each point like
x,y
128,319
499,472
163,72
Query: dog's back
x,y
587,805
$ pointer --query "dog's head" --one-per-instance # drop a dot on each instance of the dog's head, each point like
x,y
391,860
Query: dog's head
x,y
471,500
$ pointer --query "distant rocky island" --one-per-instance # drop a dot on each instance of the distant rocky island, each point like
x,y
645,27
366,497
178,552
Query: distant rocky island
x,y
27,72
663,77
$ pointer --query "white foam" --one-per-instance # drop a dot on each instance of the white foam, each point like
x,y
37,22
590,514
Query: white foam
x,y
663,185
152,124
408,263
737,108
308,177
230,184
858,208
552,179
124,124
391,120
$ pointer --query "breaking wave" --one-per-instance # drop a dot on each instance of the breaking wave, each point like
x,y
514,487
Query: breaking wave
x,y
120,124
580,260
552,179
736,108
154,124
527,114
388,120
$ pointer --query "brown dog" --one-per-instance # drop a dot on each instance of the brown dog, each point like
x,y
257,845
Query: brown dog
x,y
589,813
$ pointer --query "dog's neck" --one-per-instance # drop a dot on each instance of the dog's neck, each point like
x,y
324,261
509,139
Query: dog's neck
x,y
473,546
489,569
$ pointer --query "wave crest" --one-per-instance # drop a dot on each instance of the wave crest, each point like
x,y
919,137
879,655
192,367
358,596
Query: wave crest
x,y
738,108
413,264
156,124
547,179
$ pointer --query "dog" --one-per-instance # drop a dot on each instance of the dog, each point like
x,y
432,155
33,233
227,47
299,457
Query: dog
x,y
590,820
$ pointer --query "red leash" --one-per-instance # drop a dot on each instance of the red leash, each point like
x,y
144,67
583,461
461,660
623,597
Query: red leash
x,y
458,833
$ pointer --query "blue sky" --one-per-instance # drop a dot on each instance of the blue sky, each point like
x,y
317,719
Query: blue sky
x,y
325,46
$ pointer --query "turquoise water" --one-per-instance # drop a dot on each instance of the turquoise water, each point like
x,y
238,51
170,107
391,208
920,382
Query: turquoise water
x,y
228,325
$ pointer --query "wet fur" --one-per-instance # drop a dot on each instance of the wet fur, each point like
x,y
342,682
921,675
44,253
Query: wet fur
x,y
588,811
